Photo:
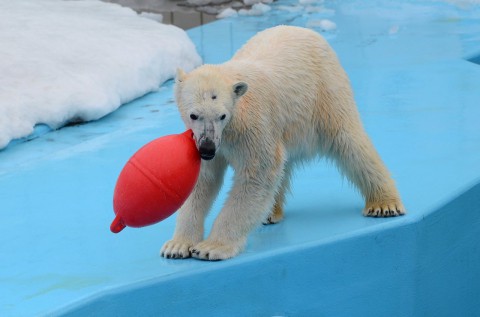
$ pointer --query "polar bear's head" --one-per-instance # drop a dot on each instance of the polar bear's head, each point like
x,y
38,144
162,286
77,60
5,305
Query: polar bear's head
x,y
206,98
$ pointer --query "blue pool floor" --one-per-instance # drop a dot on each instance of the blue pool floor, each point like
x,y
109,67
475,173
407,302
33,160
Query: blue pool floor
x,y
417,85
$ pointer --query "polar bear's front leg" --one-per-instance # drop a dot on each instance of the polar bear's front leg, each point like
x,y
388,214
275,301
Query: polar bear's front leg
x,y
245,208
249,203
191,216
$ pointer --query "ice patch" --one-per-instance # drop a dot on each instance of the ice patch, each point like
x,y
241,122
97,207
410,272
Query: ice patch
x,y
63,61
307,6
294,8
229,12
251,2
256,10
206,3
199,2
464,3
305,2
320,9
258,7
152,16
324,25
393,30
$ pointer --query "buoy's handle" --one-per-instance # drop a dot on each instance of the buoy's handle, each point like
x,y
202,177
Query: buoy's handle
x,y
117,224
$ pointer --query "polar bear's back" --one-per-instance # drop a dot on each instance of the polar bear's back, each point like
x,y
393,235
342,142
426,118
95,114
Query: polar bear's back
x,y
294,78
291,55
284,44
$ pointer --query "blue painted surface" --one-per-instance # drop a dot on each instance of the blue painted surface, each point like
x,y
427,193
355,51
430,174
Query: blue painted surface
x,y
475,59
419,98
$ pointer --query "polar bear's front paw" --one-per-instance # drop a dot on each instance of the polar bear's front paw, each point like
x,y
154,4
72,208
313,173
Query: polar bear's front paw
x,y
382,209
214,250
176,249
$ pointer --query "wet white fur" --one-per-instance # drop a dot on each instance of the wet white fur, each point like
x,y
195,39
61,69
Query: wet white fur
x,y
298,105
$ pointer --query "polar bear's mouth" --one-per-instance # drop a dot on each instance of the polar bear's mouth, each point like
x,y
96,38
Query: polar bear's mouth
x,y
207,157
207,149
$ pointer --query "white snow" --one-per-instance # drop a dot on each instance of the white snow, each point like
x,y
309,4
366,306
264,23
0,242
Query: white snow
x,y
152,16
290,8
304,2
324,25
206,3
79,60
228,12
199,2
251,2
256,10
319,9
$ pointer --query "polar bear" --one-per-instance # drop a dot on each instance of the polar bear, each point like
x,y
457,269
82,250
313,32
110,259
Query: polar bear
x,y
282,99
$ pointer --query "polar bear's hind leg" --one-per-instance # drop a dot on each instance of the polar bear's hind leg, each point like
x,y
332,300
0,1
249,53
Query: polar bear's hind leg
x,y
277,213
361,164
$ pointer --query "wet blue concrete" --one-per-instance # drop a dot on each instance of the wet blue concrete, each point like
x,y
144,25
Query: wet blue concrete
x,y
417,90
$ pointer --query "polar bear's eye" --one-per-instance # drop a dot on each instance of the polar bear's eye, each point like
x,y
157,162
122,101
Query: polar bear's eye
x,y
223,117
193,116
214,97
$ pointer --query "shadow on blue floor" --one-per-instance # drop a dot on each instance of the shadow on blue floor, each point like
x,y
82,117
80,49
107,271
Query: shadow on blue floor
x,y
474,59
415,77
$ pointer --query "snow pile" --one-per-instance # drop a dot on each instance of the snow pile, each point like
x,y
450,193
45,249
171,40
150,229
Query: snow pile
x,y
63,61
256,10
228,12
253,2
206,2
258,7
152,16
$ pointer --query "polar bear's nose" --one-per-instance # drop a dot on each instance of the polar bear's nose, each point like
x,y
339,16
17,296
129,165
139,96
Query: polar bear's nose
x,y
207,149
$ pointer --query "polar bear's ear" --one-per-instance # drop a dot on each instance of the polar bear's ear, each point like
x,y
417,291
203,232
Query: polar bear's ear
x,y
181,75
240,88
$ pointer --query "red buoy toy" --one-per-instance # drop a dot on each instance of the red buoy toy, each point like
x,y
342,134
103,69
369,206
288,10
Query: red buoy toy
x,y
156,181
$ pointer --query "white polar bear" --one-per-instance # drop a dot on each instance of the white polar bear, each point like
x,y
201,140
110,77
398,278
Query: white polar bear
x,y
282,99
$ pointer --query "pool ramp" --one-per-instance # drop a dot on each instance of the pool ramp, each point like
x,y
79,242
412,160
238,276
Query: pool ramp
x,y
415,73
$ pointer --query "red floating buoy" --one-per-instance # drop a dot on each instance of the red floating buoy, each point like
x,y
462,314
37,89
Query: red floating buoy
x,y
156,181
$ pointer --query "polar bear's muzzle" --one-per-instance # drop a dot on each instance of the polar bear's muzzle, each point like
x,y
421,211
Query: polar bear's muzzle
x,y
208,135
207,149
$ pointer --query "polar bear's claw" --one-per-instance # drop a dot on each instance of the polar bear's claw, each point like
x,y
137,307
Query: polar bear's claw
x,y
214,251
176,250
275,216
273,219
384,210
